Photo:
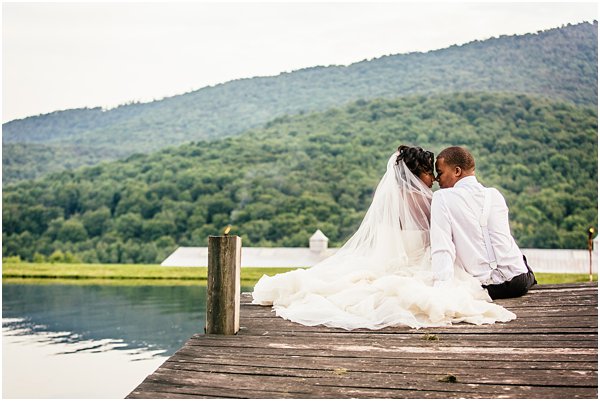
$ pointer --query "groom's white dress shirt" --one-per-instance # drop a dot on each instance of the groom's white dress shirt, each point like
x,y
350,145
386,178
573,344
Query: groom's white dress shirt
x,y
457,237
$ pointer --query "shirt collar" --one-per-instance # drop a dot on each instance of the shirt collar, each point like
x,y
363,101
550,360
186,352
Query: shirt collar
x,y
467,181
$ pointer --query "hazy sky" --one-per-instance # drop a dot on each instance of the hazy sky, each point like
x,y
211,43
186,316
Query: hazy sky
x,y
57,56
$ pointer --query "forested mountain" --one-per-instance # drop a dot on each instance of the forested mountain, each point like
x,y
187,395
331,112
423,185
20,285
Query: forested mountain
x,y
560,63
276,185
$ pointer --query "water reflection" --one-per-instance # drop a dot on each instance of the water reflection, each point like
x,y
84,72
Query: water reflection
x,y
133,317
33,367
92,341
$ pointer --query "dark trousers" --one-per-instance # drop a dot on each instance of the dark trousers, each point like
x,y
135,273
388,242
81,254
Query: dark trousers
x,y
515,287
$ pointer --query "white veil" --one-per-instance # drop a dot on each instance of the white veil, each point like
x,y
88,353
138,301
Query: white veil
x,y
393,237
395,230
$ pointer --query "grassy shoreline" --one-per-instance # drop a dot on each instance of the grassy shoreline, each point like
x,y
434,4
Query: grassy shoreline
x,y
78,273
122,272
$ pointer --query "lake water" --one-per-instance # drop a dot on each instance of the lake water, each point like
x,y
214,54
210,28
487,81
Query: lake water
x,y
92,341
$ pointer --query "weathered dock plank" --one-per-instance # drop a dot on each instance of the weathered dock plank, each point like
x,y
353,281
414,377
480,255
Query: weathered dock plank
x,y
549,351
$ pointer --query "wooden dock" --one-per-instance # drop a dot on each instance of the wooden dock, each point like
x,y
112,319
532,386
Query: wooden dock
x,y
549,351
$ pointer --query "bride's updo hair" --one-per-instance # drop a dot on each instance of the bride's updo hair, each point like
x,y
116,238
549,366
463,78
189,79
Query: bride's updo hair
x,y
416,159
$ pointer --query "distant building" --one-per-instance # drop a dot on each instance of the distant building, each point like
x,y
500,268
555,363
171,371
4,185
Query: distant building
x,y
540,260
259,257
562,260
318,242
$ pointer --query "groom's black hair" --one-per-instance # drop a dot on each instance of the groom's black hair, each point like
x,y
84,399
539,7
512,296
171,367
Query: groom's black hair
x,y
416,159
457,156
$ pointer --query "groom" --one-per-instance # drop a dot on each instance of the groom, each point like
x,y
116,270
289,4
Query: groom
x,y
469,229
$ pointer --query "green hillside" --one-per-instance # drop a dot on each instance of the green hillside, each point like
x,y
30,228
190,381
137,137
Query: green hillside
x,y
22,161
278,184
560,63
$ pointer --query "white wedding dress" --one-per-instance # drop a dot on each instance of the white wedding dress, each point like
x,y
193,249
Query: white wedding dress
x,y
382,275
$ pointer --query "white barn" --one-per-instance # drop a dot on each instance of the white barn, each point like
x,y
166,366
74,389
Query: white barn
x,y
540,260
259,257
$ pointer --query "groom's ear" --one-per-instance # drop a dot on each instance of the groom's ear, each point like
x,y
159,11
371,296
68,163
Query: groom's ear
x,y
457,171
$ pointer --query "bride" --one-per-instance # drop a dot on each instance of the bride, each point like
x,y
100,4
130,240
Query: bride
x,y
382,275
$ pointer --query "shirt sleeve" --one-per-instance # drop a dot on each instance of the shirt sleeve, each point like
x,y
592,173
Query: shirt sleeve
x,y
443,251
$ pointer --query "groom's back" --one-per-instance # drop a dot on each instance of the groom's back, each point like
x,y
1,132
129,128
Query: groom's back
x,y
464,204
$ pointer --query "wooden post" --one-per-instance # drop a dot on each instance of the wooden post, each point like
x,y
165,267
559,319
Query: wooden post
x,y
223,285
590,249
